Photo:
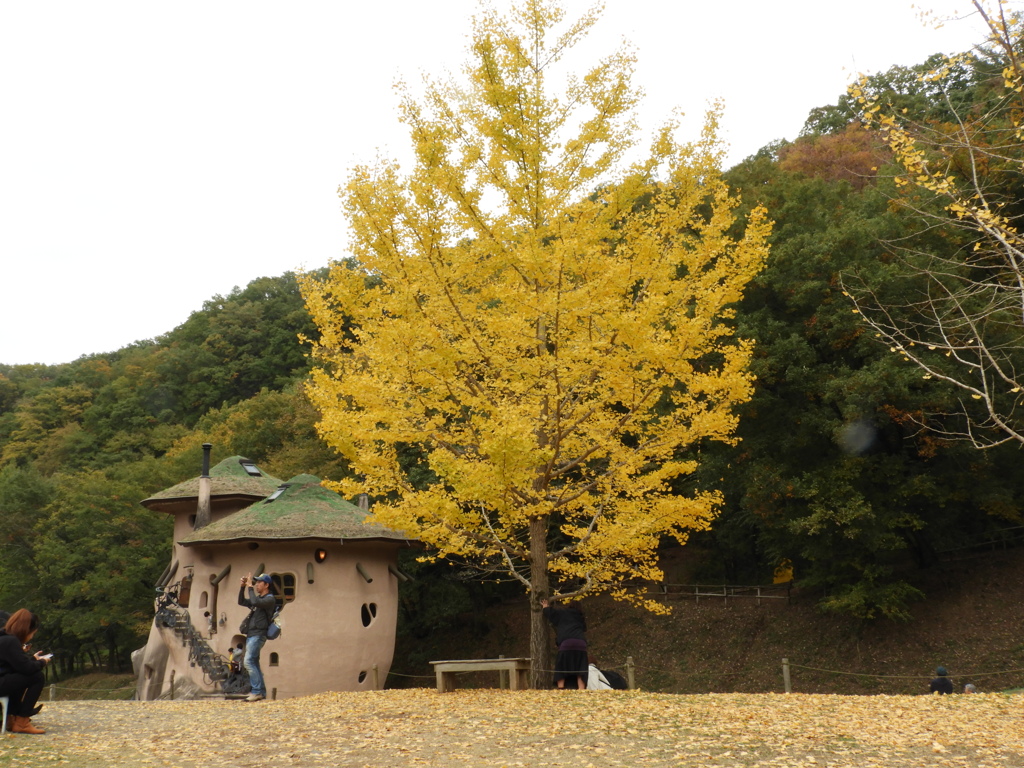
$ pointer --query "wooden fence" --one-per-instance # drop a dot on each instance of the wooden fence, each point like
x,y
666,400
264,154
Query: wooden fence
x,y
722,591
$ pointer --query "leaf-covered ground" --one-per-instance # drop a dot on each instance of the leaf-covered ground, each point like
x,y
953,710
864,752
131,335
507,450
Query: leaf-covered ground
x,y
420,727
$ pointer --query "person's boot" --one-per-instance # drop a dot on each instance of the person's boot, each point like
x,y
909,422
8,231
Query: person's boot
x,y
24,725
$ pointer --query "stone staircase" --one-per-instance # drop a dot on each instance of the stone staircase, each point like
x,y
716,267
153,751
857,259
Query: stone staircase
x,y
216,668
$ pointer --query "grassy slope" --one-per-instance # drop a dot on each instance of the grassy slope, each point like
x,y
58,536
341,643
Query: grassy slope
x,y
95,685
972,622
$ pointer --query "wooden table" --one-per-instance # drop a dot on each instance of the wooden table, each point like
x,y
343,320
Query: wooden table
x,y
519,670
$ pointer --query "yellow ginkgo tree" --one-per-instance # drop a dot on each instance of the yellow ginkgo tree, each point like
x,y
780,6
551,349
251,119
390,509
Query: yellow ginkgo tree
x,y
545,325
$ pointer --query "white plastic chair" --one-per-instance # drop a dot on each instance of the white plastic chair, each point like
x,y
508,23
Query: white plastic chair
x,y
5,703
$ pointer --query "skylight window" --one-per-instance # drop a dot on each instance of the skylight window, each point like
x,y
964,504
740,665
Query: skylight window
x,y
276,493
251,468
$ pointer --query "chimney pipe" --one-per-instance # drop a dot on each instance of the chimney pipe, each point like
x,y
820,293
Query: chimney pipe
x,y
203,510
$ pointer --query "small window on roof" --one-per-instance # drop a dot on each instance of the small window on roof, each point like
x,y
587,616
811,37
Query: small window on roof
x,y
251,468
276,493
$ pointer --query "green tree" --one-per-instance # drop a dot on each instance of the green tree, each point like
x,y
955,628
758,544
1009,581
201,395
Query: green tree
x,y
97,554
831,472
277,430
957,314
236,346
44,423
24,495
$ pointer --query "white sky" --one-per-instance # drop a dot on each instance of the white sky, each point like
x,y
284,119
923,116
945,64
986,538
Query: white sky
x,y
155,154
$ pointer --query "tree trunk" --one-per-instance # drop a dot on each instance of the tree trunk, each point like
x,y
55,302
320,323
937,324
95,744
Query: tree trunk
x,y
540,649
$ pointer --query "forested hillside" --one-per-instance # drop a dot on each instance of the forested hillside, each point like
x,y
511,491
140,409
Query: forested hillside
x,y
82,443
834,474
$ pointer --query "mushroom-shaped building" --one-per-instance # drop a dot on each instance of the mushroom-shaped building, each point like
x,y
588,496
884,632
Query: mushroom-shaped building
x,y
335,576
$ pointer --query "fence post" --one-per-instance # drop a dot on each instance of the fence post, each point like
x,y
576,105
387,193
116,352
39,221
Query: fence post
x,y
53,692
172,685
502,675
273,694
376,678
630,677
785,676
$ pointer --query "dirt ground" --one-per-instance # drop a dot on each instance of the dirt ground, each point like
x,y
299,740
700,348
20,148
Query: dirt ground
x,y
478,728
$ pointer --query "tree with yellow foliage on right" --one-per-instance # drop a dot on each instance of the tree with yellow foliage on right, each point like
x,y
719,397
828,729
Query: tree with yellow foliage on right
x,y
957,311
546,327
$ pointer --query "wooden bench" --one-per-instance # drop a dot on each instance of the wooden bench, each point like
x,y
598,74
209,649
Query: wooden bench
x,y
518,670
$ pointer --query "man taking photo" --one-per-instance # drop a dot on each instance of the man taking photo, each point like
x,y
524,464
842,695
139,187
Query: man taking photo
x,y
261,608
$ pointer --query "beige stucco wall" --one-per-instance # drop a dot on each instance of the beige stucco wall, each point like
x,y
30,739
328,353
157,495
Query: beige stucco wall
x,y
324,646
183,525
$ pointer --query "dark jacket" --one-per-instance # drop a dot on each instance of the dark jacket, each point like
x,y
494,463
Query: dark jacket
x,y
568,622
263,613
14,659
941,685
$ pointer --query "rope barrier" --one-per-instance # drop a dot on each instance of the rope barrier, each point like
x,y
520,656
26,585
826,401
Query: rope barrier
x,y
990,674
93,690
903,677
686,674
547,671
623,668
470,672
421,677
965,675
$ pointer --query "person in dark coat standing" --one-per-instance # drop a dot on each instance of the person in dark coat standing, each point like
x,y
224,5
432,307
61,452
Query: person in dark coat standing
x,y
261,604
572,662
941,684
21,675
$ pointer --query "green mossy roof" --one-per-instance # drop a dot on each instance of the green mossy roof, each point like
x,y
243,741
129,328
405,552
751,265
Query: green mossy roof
x,y
305,510
227,478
